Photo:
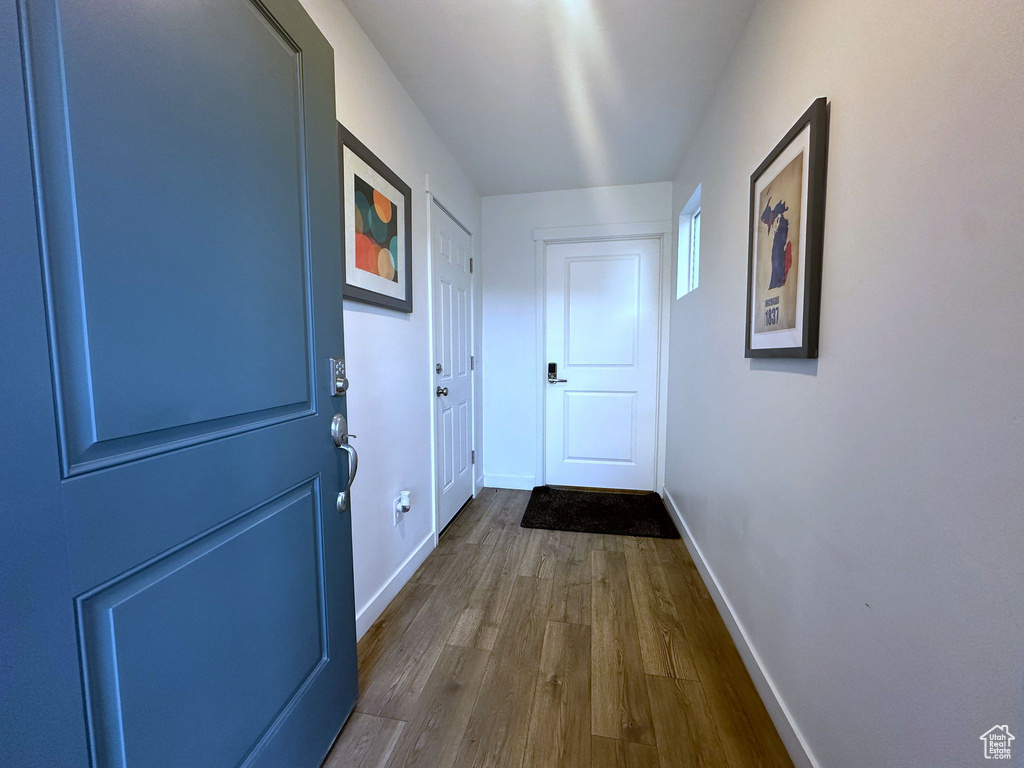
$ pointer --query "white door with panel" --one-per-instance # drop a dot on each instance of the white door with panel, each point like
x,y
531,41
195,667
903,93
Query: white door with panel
x,y
451,247
602,327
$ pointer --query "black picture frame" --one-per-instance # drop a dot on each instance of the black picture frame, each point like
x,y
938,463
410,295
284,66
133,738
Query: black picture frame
x,y
817,117
357,293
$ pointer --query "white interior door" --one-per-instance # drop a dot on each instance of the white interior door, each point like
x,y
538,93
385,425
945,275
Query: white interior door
x,y
602,336
453,381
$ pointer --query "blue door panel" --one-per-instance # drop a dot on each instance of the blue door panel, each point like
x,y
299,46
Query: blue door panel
x,y
210,237
192,268
221,620
183,167
116,519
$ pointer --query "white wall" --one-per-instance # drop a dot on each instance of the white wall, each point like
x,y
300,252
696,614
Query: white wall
x,y
510,308
864,513
387,353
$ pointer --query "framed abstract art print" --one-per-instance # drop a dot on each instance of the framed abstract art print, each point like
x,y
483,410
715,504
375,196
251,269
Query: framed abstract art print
x,y
376,227
787,222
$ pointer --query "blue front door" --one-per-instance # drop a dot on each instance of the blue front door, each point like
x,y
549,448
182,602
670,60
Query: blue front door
x,y
172,281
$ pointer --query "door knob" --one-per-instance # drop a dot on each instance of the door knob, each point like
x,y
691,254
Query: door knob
x,y
442,391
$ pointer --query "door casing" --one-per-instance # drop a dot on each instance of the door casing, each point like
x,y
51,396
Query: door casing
x,y
651,230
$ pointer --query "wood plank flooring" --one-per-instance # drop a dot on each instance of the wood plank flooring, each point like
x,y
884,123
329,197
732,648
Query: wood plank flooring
x,y
523,648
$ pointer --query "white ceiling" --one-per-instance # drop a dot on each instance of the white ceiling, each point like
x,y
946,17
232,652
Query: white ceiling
x,y
533,95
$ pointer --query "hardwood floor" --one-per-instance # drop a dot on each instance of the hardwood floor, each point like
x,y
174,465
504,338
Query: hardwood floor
x,y
522,647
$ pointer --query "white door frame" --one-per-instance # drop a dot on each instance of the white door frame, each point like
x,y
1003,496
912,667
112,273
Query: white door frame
x,y
435,198
647,230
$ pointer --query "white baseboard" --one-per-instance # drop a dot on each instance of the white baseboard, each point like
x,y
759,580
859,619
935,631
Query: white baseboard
x,y
789,732
515,482
375,606
479,484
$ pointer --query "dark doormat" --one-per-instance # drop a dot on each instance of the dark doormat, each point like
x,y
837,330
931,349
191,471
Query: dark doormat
x,y
623,514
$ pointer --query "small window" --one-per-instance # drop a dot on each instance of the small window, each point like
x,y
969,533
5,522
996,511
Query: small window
x,y
688,266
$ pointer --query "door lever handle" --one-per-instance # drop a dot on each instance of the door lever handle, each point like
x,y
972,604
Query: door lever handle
x,y
553,374
340,435
353,467
339,430
353,463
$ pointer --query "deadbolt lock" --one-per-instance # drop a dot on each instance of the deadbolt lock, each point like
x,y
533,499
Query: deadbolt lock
x,y
339,382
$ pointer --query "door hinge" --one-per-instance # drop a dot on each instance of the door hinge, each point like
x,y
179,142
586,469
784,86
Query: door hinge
x,y
472,457
470,265
472,363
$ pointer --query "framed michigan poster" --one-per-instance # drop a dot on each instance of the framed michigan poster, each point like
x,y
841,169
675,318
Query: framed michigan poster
x,y
787,223
376,227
